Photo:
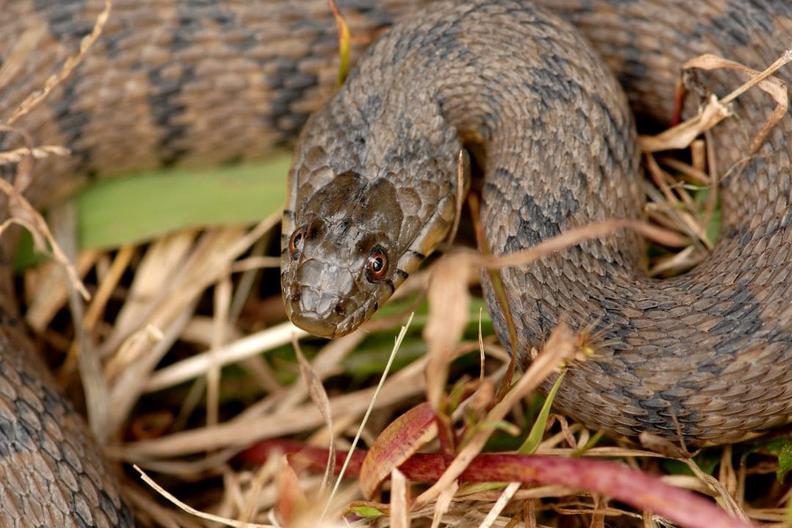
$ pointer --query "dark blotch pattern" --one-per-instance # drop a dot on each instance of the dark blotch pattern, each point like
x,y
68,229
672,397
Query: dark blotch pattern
x,y
167,108
44,449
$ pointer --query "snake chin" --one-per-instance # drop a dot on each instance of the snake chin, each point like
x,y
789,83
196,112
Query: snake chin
x,y
315,324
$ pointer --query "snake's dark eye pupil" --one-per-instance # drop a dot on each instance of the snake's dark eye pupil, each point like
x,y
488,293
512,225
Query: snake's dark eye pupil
x,y
377,264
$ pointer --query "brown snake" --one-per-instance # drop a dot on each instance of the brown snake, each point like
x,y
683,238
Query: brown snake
x,y
706,354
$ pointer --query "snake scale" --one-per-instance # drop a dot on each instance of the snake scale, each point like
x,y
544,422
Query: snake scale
x,y
188,82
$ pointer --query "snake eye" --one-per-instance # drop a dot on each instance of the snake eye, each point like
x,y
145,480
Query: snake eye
x,y
296,242
377,264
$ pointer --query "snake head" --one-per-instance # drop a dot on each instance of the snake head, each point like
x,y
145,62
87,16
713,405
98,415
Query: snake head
x,y
362,213
337,261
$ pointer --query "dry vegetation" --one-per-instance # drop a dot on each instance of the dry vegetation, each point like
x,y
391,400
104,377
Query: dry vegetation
x,y
192,375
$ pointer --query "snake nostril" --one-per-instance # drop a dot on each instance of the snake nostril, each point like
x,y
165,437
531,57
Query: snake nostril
x,y
340,309
295,296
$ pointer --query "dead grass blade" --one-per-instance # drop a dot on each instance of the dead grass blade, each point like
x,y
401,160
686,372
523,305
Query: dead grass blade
x,y
172,308
343,42
90,369
400,501
192,511
68,67
222,301
17,155
577,235
236,351
692,173
498,288
107,287
505,497
47,292
682,218
156,513
443,504
22,213
319,397
378,391
717,490
247,429
682,135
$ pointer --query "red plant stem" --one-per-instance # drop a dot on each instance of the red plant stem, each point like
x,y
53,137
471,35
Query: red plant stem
x,y
633,487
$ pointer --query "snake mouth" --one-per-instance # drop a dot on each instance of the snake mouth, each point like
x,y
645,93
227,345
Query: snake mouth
x,y
314,324
319,313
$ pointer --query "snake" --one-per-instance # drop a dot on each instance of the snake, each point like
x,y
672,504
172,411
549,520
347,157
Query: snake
x,y
543,94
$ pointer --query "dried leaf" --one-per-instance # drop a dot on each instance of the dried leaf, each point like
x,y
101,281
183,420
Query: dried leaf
x,y
291,500
560,347
449,300
400,440
683,134
773,86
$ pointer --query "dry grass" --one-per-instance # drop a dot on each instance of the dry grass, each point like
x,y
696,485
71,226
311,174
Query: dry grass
x,y
197,367
163,413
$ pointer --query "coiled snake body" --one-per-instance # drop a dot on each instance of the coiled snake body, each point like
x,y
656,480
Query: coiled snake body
x,y
372,189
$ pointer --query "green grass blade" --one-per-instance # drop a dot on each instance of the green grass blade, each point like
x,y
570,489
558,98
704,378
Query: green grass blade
x,y
124,210
531,443
782,448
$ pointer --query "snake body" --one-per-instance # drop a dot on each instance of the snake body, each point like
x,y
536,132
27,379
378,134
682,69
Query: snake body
x,y
705,355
